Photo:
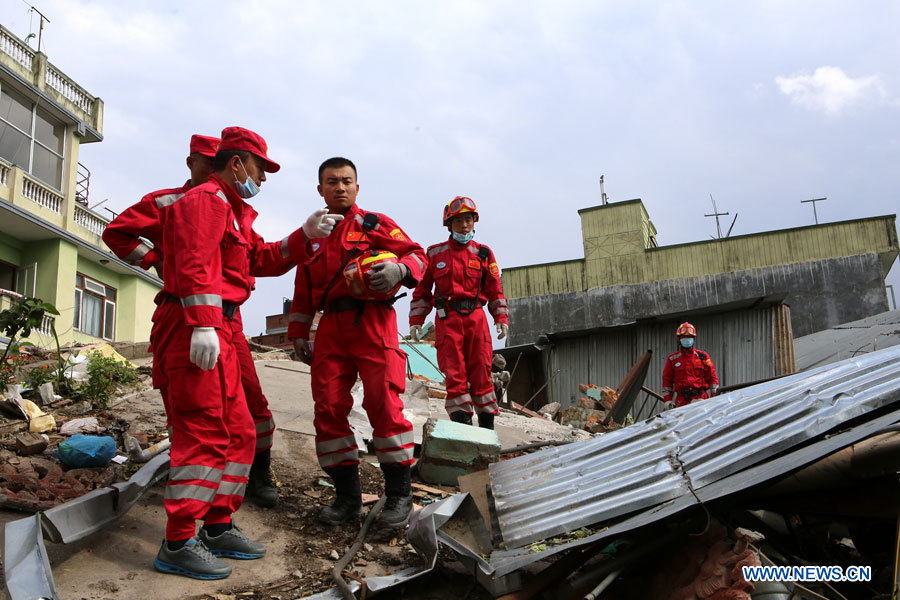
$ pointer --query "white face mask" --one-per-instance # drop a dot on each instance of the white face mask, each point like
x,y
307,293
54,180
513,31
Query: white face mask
x,y
463,238
687,342
248,189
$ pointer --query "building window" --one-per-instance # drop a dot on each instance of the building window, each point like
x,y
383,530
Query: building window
x,y
26,280
31,138
95,308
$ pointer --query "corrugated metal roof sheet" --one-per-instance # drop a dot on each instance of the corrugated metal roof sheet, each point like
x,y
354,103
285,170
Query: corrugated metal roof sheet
x,y
680,451
848,340
740,343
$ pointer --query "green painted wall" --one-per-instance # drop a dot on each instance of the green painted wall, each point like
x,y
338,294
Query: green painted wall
x,y
618,251
135,309
10,250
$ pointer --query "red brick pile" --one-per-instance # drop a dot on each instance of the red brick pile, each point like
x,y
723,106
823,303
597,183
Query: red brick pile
x,y
34,483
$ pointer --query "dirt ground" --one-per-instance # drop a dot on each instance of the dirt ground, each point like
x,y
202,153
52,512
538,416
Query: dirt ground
x,y
117,562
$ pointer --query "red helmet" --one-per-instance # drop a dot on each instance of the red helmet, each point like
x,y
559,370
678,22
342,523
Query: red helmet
x,y
686,329
458,206
357,273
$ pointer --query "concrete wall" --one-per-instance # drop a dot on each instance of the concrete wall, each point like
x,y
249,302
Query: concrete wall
x,y
821,294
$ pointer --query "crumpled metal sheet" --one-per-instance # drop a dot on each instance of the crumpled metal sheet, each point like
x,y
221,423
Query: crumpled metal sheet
x,y
679,452
27,571
95,510
424,533
26,567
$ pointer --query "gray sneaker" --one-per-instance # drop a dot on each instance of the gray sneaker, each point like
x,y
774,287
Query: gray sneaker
x,y
233,544
191,560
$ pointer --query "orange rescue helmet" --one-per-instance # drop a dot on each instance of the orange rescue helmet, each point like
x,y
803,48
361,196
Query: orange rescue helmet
x,y
686,330
458,206
358,271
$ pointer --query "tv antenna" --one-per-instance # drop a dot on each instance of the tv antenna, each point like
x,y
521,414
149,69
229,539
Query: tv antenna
x,y
814,200
715,213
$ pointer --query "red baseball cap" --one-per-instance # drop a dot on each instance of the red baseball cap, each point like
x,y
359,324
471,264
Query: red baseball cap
x,y
238,138
205,145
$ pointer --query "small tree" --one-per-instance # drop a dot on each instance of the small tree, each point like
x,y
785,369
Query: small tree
x,y
22,317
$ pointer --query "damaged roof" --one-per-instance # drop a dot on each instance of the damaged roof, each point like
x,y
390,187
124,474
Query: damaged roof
x,y
678,453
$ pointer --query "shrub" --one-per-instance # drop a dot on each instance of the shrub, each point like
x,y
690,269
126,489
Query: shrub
x,y
105,376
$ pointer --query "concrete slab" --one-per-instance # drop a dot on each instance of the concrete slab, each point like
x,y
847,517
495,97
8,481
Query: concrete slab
x,y
452,449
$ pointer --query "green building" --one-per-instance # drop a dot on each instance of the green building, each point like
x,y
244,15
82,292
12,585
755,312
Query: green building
x,y
828,274
50,244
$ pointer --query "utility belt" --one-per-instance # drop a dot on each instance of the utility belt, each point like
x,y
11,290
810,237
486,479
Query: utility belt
x,y
228,308
691,393
463,306
348,303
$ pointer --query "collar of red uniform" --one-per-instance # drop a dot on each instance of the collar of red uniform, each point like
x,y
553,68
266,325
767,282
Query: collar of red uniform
x,y
236,201
456,245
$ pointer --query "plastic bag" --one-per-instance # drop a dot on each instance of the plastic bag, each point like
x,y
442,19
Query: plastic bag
x,y
86,450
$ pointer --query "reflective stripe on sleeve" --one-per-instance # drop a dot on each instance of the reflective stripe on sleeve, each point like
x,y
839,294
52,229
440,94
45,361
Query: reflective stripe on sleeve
x,y
168,200
419,312
420,304
418,261
139,252
202,300
285,251
222,195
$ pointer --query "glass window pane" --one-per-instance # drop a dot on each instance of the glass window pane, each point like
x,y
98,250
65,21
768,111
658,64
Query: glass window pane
x,y
79,281
16,109
49,131
110,293
92,315
47,167
15,147
109,321
77,322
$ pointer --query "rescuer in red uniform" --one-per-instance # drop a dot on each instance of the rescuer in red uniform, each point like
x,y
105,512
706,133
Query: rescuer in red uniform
x,y
465,277
689,373
144,220
210,250
356,336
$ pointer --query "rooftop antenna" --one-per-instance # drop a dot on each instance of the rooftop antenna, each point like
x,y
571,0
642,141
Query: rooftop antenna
x,y
603,192
715,213
41,30
814,200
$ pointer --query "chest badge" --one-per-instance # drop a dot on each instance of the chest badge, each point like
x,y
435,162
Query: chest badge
x,y
678,364
315,246
441,265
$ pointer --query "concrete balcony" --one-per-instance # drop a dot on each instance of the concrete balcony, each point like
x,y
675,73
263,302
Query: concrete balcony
x,y
34,68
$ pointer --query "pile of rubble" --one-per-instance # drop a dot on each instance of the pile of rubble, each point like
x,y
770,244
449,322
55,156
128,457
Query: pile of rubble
x,y
592,412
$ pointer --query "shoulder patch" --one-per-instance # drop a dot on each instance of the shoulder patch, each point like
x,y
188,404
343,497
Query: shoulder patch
x,y
494,269
398,235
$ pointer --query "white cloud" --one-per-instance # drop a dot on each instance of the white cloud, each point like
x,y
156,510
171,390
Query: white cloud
x,y
830,91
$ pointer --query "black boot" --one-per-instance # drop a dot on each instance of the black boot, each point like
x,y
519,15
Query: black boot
x,y
348,496
261,488
486,420
461,417
397,488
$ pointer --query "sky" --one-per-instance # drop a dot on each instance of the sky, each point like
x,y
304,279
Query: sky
x,y
521,105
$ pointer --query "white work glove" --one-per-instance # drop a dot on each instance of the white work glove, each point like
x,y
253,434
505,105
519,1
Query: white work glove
x,y
502,330
205,347
386,275
415,332
302,351
320,224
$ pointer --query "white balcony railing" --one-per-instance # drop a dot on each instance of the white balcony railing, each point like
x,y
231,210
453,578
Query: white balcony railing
x,y
69,89
4,173
21,53
90,220
41,195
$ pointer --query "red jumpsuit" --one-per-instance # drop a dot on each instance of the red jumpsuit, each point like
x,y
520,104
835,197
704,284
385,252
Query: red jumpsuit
x,y
691,374
210,251
145,220
351,341
462,272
